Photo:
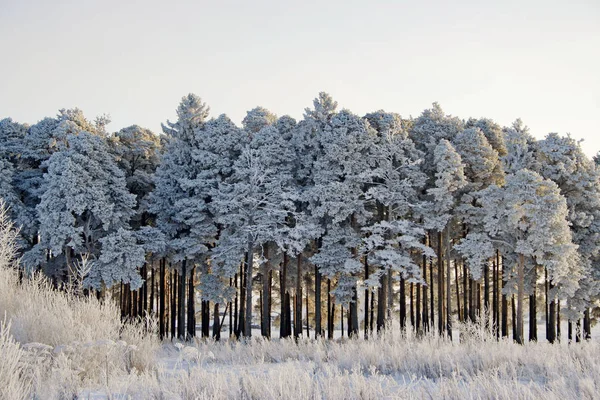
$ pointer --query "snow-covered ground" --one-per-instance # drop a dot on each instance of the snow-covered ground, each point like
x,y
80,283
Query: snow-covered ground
x,y
393,366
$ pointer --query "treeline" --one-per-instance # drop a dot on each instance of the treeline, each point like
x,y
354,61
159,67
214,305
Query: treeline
x,y
335,219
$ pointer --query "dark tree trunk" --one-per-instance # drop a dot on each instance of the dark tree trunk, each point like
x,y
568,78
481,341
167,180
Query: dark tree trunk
x,y
191,305
142,300
236,332
418,308
504,304
448,286
547,306
205,318
318,318
181,302
551,318
265,321
457,286
570,331
298,298
366,317
412,306
353,314
431,291
134,303
372,317
472,300
288,315
342,319
532,317
242,301
486,289
217,323
587,325
161,301
514,317
248,281
307,315
425,310
282,297
440,282
466,294
558,320
402,304
330,311
173,310
381,302
152,292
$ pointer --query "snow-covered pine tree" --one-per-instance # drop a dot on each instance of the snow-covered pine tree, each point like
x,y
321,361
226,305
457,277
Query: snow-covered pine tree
x,y
86,200
394,233
340,172
528,218
449,181
562,160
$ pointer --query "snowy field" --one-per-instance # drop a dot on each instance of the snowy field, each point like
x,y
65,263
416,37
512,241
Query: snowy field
x,y
392,366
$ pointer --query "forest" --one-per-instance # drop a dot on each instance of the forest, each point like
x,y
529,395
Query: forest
x,y
333,225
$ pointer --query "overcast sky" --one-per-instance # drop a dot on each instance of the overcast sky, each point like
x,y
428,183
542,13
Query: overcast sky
x,y
134,60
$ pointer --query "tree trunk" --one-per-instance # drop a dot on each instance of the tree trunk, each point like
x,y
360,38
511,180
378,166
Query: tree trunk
x,y
307,319
236,332
440,282
504,305
431,291
547,305
191,305
342,319
418,308
161,301
353,314
318,328
425,310
457,286
173,310
448,285
366,317
587,325
402,304
230,304
282,297
242,313
181,302
216,323
558,320
381,302
265,325
205,318
411,305
330,311
248,309
151,308
532,317
298,298
372,317
552,318
466,294
514,317
520,297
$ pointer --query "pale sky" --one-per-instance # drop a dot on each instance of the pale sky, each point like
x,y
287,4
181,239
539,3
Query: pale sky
x,y
134,60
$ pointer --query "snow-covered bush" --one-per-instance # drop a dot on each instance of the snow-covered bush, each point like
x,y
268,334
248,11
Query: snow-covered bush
x,y
57,340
